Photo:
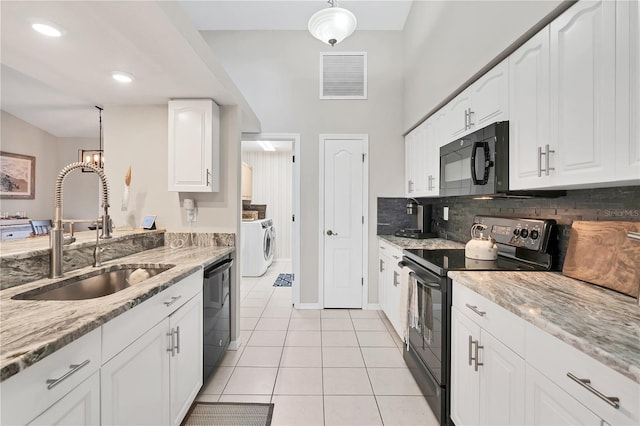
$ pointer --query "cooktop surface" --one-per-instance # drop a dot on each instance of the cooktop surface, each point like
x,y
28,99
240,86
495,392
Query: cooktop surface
x,y
443,260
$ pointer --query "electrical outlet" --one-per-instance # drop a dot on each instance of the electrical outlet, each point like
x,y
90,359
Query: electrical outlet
x,y
445,213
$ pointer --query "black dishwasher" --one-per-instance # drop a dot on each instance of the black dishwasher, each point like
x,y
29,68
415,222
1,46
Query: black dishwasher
x,y
216,329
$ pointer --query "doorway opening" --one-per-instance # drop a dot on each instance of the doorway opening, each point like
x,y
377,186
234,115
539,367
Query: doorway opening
x,y
271,199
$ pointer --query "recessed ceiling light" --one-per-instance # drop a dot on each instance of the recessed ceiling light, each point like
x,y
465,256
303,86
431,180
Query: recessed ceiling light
x,y
122,77
46,29
266,145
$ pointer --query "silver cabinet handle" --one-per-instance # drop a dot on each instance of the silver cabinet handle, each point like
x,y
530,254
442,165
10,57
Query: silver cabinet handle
x,y
473,358
173,300
431,187
178,338
410,186
478,347
466,119
633,235
381,265
475,309
172,347
51,383
395,279
470,349
547,151
586,383
470,114
539,161
208,174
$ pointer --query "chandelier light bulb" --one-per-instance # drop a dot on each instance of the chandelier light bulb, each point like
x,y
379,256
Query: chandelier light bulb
x,y
332,25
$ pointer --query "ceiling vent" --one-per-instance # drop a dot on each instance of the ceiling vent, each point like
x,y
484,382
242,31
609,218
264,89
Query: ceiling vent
x,y
343,75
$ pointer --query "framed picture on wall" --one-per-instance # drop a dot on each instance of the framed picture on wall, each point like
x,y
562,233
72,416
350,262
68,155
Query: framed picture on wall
x,y
17,176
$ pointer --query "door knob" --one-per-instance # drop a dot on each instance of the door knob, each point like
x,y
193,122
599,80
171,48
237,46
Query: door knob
x,y
330,233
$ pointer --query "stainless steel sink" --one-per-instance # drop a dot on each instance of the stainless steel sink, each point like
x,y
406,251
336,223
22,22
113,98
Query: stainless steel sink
x,y
95,284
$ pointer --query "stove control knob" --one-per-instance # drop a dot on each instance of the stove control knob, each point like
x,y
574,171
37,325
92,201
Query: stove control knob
x,y
524,233
516,232
534,234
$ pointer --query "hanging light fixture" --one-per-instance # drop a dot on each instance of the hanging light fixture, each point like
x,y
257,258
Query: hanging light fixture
x,y
332,25
95,157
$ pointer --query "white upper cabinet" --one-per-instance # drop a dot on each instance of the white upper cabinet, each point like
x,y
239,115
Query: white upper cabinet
x,y
457,118
194,146
583,48
422,160
528,110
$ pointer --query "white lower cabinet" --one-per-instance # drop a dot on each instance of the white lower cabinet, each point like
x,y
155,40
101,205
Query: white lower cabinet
x,y
154,380
487,378
389,283
81,406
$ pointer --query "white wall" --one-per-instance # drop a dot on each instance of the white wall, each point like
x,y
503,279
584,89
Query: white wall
x,y
278,73
272,185
20,137
447,42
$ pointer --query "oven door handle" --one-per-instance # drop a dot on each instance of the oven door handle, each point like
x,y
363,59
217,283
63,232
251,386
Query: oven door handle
x,y
433,285
487,163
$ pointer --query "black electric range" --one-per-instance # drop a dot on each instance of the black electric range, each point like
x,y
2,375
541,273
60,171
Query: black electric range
x,y
523,245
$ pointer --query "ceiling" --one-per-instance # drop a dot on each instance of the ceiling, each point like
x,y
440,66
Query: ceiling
x,y
54,83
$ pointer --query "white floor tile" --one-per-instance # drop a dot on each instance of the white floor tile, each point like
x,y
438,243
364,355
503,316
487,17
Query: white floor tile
x,y
305,313
251,380
267,338
299,381
297,410
248,323
303,338
246,312
276,312
375,339
368,324
251,301
301,324
261,399
217,381
406,410
393,381
207,398
351,411
383,357
277,302
260,356
336,324
346,381
339,338
364,313
335,313
341,357
294,356
272,324
230,358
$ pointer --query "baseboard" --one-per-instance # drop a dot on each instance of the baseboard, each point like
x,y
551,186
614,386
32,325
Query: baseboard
x,y
234,345
308,306
373,307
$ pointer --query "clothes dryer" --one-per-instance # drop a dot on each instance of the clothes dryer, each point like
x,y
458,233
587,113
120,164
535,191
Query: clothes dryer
x,y
258,246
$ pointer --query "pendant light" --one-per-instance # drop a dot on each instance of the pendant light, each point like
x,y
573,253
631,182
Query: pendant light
x,y
332,25
95,157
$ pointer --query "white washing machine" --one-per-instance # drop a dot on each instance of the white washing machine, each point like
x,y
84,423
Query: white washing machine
x,y
258,246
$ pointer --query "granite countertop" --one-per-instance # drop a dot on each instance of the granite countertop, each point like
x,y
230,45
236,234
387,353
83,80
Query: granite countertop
x,y
31,330
27,247
427,243
600,322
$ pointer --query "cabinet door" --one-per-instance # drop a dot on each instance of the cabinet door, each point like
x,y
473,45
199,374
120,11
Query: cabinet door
x,y
383,281
81,406
418,162
583,94
465,381
547,404
186,357
457,121
409,155
489,97
194,146
502,386
394,295
135,383
432,157
528,111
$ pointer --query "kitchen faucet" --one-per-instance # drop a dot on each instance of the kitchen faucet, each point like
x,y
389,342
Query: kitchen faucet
x,y
57,233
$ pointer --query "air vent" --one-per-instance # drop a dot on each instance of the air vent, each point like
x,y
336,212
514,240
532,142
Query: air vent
x,y
343,75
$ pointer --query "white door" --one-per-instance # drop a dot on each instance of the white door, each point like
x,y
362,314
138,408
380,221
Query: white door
x,y
343,217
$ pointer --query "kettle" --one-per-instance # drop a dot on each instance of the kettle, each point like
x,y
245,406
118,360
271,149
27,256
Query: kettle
x,y
480,247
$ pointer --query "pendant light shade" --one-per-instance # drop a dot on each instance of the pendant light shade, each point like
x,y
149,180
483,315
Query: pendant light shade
x,y
332,25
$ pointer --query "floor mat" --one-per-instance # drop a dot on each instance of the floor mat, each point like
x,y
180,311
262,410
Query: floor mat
x,y
229,413
283,280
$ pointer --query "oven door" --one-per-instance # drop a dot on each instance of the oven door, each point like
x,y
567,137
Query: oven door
x,y
426,338
467,166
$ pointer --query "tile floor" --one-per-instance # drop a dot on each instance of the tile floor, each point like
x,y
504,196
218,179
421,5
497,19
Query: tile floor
x,y
319,367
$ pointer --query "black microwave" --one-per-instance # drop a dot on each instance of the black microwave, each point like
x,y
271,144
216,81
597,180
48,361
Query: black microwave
x,y
476,164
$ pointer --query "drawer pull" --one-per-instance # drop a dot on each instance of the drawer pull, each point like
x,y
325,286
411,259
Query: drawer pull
x,y
173,300
51,383
475,309
586,383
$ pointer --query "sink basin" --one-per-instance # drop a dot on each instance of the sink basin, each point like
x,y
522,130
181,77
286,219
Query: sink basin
x,y
97,283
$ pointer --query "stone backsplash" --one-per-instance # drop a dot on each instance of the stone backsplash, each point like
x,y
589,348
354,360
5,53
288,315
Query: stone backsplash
x,y
619,203
199,239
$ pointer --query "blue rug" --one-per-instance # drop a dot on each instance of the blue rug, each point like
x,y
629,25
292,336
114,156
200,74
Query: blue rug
x,y
283,280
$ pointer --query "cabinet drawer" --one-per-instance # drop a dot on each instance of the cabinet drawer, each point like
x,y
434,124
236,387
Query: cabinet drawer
x,y
27,394
124,329
505,326
556,359
392,252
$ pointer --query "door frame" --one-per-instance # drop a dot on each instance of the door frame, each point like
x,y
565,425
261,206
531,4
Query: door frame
x,y
365,212
295,202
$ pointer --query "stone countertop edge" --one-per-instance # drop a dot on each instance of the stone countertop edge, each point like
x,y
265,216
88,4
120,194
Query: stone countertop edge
x,y
33,329
599,322
403,243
